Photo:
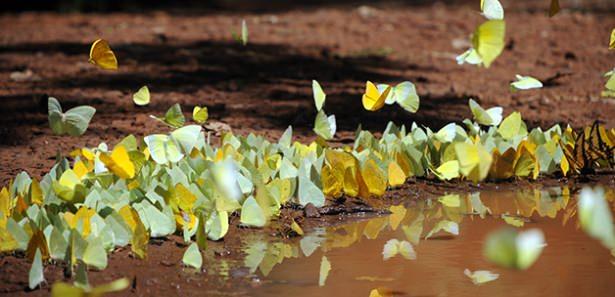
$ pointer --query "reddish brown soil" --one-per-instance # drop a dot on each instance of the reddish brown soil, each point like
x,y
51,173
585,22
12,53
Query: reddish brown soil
x,y
190,58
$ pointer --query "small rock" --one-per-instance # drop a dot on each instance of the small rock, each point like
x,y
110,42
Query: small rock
x,y
22,76
311,211
222,252
240,272
167,263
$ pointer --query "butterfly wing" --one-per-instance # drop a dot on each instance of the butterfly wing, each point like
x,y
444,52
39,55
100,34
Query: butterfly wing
x,y
157,147
319,95
405,95
119,162
172,151
610,84
141,97
470,56
389,99
77,120
406,250
200,114
323,127
525,83
391,248
102,55
372,99
174,117
186,137
480,115
332,124
488,40
492,9
54,111
495,114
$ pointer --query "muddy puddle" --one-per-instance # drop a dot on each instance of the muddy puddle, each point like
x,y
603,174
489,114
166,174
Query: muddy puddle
x,y
571,264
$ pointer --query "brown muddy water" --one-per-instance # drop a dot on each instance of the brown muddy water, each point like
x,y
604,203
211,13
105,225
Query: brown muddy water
x,y
572,264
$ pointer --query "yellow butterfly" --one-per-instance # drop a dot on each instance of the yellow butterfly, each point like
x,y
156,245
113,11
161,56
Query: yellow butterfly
x,y
84,214
102,55
374,178
332,177
396,174
488,40
372,99
503,166
119,162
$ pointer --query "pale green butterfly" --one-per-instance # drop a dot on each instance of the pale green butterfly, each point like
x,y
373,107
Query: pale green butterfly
x,y
226,176
492,9
319,95
73,122
35,277
489,117
610,85
252,214
404,94
95,255
192,256
159,223
511,249
325,126
142,96
173,118
595,216
470,56
166,148
57,244
308,191
448,170
512,126
446,133
525,83
217,225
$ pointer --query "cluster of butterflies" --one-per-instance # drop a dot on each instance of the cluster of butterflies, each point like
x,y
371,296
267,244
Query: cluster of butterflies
x,y
179,183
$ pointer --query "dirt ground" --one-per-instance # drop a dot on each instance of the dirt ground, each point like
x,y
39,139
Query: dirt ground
x,y
189,57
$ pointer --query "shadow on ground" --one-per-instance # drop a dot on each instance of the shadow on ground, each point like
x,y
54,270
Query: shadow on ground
x,y
278,75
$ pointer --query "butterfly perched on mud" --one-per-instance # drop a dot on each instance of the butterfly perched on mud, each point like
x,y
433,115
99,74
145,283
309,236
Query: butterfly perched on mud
x,y
593,147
